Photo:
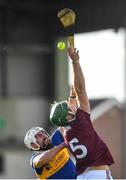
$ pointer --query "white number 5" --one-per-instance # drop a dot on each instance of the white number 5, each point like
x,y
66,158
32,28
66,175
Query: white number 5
x,y
75,147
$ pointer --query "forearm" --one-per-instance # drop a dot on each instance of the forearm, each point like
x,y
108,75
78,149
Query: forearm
x,y
72,92
72,97
79,81
49,154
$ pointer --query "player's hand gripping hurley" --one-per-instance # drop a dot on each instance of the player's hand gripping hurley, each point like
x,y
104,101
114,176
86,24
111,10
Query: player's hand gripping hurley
x,y
67,18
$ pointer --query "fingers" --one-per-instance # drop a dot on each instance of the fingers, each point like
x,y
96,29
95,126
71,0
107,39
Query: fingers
x,y
73,53
72,50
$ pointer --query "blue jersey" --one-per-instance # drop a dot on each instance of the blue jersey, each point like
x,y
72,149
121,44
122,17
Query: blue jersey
x,y
61,166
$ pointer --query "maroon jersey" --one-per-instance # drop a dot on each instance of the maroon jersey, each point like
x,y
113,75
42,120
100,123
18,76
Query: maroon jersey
x,y
85,144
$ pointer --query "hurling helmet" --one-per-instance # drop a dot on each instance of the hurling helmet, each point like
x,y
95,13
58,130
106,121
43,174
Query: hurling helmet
x,y
30,137
58,113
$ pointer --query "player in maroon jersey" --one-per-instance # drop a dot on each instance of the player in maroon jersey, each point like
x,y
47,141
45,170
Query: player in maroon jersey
x,y
93,157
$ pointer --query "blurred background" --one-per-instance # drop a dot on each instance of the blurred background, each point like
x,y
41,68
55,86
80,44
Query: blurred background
x,y
34,73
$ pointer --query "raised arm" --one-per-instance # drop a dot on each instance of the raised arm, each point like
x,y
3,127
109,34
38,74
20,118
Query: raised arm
x,y
79,80
48,155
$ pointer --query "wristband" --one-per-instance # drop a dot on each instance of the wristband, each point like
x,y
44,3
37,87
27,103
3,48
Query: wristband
x,y
72,96
76,61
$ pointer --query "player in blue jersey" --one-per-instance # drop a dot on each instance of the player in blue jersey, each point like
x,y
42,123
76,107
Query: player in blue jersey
x,y
50,159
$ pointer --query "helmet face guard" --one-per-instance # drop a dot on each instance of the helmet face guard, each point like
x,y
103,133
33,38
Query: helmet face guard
x,y
30,138
58,113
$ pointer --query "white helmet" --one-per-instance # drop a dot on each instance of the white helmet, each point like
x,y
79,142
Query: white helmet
x,y
30,137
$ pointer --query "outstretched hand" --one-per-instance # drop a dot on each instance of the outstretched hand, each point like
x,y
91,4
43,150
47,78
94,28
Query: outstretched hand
x,y
73,53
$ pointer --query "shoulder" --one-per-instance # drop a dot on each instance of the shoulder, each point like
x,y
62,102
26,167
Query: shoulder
x,y
57,137
82,118
57,132
35,159
34,154
81,113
